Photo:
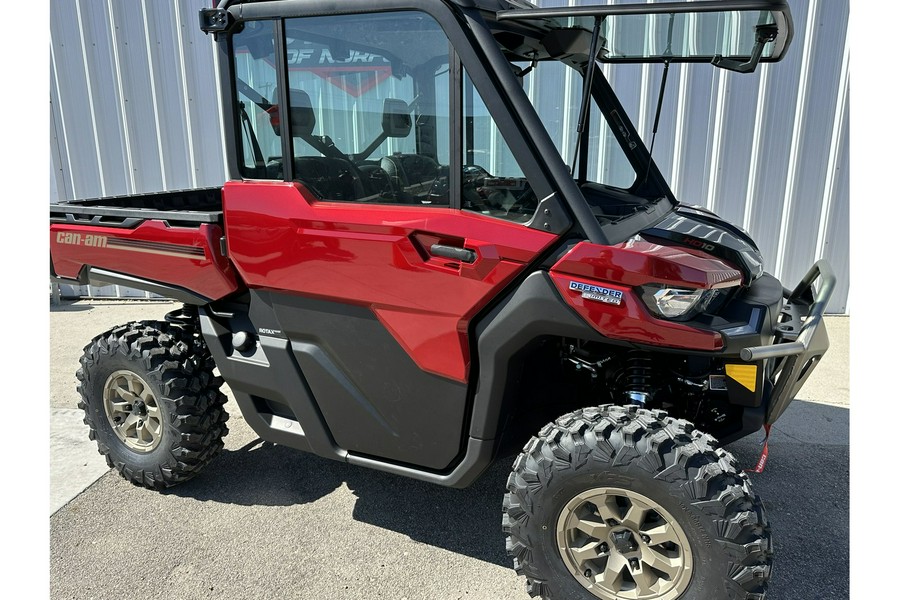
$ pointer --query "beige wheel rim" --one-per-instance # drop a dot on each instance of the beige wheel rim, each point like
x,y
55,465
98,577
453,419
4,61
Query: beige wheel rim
x,y
621,545
132,411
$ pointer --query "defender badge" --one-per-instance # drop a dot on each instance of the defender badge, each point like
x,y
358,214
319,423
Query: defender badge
x,y
599,294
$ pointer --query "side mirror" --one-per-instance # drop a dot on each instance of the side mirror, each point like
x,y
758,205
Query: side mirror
x,y
396,121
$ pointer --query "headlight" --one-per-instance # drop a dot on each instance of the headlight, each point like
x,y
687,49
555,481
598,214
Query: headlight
x,y
675,303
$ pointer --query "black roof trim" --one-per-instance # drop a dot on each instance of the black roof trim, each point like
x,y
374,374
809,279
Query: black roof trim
x,y
641,9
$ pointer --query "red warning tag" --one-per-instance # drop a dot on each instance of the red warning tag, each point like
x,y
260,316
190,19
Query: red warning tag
x,y
764,457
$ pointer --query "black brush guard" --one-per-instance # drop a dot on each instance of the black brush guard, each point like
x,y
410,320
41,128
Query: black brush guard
x,y
801,339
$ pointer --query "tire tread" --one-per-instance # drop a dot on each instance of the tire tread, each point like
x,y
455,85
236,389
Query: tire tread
x,y
666,448
179,362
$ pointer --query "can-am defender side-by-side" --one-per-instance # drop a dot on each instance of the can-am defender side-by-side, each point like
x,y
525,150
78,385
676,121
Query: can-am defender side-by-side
x,y
424,255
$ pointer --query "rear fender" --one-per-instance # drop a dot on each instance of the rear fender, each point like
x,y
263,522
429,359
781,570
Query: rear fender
x,y
188,258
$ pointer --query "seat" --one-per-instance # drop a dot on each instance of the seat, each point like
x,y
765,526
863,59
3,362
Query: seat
x,y
329,177
413,175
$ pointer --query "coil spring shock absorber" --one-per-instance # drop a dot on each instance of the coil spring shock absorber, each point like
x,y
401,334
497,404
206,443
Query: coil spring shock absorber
x,y
186,316
638,375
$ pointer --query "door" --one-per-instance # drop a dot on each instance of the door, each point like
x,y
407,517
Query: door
x,y
371,259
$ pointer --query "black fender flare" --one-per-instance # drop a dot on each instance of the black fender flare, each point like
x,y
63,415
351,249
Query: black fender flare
x,y
534,309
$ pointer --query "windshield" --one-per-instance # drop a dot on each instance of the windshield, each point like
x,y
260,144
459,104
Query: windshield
x,y
553,50
685,36
726,34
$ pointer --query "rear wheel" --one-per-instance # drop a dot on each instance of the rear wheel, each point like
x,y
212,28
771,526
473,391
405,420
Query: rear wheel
x,y
152,402
622,503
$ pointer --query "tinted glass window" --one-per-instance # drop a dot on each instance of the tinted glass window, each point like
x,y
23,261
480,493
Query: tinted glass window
x,y
492,182
369,107
255,76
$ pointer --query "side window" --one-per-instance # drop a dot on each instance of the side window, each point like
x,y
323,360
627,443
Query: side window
x,y
369,108
546,86
255,76
492,181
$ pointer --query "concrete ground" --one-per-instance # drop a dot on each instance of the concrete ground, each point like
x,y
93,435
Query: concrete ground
x,y
265,521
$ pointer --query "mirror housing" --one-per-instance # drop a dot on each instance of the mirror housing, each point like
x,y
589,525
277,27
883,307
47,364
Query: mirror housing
x,y
396,121
215,20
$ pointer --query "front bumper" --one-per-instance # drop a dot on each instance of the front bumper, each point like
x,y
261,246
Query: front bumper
x,y
800,339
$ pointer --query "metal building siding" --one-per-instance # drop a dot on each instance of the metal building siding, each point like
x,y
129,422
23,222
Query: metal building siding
x,y
822,116
133,90
200,94
71,79
134,108
696,103
134,103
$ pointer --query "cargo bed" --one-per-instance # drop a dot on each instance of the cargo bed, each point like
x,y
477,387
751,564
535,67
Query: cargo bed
x,y
183,206
168,243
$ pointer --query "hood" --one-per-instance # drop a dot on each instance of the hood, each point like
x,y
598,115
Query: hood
x,y
695,227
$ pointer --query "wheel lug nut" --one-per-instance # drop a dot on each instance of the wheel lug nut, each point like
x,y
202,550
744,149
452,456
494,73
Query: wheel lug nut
x,y
588,573
127,407
604,548
646,539
634,563
140,423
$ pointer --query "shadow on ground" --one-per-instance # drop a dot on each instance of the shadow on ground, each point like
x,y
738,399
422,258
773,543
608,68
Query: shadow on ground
x,y
69,306
264,474
804,487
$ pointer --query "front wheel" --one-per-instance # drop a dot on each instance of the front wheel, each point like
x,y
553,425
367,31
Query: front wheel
x,y
623,503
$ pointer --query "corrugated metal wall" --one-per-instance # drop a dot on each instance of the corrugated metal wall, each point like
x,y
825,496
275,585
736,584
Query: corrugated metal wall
x,y
134,102
134,108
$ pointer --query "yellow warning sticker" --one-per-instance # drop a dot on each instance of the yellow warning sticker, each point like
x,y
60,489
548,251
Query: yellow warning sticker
x,y
743,374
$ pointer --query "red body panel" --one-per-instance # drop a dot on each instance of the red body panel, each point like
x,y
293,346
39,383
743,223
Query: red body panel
x,y
639,262
634,263
186,257
280,238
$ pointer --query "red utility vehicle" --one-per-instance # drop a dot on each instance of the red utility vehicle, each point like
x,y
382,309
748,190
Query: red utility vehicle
x,y
403,272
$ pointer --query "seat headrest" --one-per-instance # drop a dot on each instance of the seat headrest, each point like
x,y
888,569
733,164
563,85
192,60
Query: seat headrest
x,y
303,119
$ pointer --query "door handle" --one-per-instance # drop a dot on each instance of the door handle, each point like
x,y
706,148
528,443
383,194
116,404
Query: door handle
x,y
461,254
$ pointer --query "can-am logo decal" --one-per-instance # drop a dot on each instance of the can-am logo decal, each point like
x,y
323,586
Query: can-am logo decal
x,y
76,239
597,293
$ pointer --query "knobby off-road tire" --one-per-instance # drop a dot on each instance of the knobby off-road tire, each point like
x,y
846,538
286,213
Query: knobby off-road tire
x,y
152,402
569,501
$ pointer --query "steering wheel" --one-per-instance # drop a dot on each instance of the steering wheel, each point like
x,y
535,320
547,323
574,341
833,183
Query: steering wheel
x,y
381,182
